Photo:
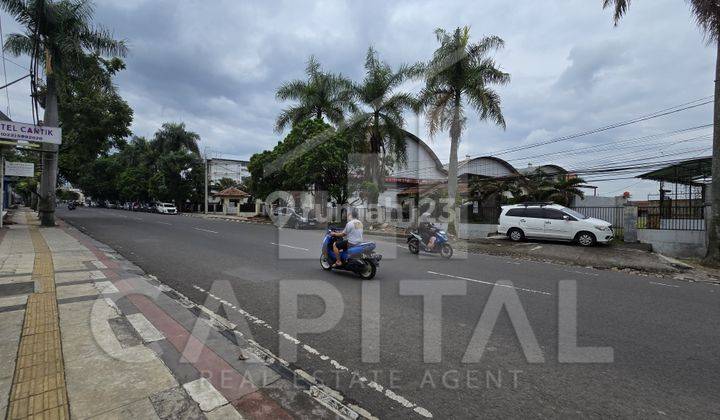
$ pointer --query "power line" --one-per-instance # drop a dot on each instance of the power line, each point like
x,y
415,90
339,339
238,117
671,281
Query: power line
x,y
656,114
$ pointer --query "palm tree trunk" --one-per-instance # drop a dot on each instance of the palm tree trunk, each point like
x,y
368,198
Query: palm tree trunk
x,y
712,257
48,180
453,167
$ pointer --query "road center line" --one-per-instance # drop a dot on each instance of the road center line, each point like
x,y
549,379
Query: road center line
x,y
165,223
489,283
290,246
204,230
663,284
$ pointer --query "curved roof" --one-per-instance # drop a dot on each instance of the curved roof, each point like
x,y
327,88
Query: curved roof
x,y
427,148
231,192
502,162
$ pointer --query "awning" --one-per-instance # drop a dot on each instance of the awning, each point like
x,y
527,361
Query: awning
x,y
689,172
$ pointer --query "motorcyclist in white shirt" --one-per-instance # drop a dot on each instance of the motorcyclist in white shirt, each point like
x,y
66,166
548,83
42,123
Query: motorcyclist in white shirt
x,y
351,235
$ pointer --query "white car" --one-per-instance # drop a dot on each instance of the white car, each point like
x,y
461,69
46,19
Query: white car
x,y
552,221
166,208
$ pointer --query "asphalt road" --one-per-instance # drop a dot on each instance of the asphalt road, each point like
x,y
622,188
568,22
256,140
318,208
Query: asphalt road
x,y
664,334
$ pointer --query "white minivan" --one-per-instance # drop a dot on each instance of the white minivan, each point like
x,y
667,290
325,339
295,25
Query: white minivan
x,y
166,208
552,221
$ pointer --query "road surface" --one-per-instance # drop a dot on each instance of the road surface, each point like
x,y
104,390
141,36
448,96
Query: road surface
x,y
663,335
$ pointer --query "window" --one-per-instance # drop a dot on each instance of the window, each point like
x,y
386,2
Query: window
x,y
554,214
534,213
575,214
515,213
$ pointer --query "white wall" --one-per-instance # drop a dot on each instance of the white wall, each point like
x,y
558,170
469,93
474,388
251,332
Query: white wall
x,y
485,167
675,243
420,163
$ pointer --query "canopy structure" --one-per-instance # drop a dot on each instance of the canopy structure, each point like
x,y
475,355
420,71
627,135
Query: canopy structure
x,y
231,192
232,198
696,171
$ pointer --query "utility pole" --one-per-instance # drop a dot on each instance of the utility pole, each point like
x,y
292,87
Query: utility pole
x,y
207,163
2,186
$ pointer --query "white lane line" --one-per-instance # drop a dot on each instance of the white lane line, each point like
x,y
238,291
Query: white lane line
x,y
489,283
315,353
165,223
136,218
147,330
290,246
205,230
663,284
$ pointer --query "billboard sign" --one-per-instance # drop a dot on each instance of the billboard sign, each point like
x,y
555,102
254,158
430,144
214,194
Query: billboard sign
x,y
11,130
19,169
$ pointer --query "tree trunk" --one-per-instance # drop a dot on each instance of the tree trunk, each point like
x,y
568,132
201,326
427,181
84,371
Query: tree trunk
x,y
48,179
712,257
453,167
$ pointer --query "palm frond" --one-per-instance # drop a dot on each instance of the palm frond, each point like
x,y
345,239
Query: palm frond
x,y
619,7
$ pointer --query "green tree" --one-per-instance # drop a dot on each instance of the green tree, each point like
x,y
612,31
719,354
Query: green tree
x,y
175,154
224,183
100,178
460,74
378,127
94,117
136,160
58,34
322,95
707,17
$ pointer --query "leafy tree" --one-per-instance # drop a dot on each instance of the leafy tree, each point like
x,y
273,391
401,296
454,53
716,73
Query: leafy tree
x,y
707,17
100,179
58,34
136,159
378,127
461,73
94,117
175,153
322,95
225,183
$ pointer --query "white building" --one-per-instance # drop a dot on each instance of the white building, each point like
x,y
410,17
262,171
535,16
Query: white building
x,y
227,168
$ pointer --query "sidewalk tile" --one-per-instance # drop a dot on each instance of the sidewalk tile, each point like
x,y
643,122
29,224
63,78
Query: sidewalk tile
x,y
202,391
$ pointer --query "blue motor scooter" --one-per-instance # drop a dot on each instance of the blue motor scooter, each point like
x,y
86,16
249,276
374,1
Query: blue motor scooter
x,y
442,246
359,259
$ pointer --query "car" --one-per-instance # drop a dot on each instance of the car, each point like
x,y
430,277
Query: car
x,y
552,221
166,208
294,218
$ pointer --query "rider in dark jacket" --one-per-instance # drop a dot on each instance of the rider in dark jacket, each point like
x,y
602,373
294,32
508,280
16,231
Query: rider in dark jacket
x,y
427,232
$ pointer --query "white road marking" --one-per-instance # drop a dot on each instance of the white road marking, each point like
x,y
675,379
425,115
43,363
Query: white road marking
x,y
165,223
205,230
290,246
536,248
489,283
147,330
312,351
663,284
136,218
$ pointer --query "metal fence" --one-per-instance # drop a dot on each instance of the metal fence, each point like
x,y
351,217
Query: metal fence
x,y
671,217
614,215
480,215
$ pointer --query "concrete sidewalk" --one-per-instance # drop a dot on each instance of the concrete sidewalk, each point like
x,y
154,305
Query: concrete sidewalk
x,y
85,334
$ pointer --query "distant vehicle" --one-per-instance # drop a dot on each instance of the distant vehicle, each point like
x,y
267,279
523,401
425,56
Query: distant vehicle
x,y
148,208
552,221
71,205
135,206
166,208
294,218
112,206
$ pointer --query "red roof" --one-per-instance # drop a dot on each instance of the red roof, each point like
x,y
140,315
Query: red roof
x,y
232,192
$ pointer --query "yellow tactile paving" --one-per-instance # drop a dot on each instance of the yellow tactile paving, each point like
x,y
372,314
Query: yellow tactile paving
x,y
38,389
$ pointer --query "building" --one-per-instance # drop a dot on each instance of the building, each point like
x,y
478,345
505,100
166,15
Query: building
x,y
227,168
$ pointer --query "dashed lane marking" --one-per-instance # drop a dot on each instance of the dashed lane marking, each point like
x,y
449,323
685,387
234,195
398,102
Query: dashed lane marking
x,y
165,223
205,230
663,284
290,246
315,353
489,283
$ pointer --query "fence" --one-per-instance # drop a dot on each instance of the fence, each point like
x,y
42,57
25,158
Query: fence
x,y
614,215
480,215
671,217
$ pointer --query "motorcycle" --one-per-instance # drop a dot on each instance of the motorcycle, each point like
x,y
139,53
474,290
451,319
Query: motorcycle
x,y
442,246
359,259
71,205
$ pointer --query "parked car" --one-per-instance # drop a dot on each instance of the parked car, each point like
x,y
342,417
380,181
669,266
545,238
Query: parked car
x,y
552,221
148,208
166,208
294,218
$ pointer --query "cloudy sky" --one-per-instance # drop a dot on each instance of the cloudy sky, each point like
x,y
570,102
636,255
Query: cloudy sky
x,y
215,66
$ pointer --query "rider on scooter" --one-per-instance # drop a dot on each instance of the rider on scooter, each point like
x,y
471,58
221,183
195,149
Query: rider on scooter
x,y
427,231
352,234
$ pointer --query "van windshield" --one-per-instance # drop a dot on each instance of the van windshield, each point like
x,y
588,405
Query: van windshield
x,y
575,214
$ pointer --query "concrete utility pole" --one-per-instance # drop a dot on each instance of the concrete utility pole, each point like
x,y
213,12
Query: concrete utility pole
x,y
207,163
2,186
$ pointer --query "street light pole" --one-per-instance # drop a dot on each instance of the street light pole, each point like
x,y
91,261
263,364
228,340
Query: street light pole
x,y
207,162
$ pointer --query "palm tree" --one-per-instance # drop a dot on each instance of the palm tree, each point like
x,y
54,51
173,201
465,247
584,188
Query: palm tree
x,y
707,17
378,127
59,35
461,73
322,95
174,137
564,189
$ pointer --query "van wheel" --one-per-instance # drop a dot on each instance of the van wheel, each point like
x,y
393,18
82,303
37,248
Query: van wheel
x,y
586,239
516,235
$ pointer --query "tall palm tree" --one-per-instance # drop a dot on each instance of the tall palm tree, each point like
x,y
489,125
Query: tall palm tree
x,y
378,126
174,137
60,35
707,17
322,95
460,74
564,189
